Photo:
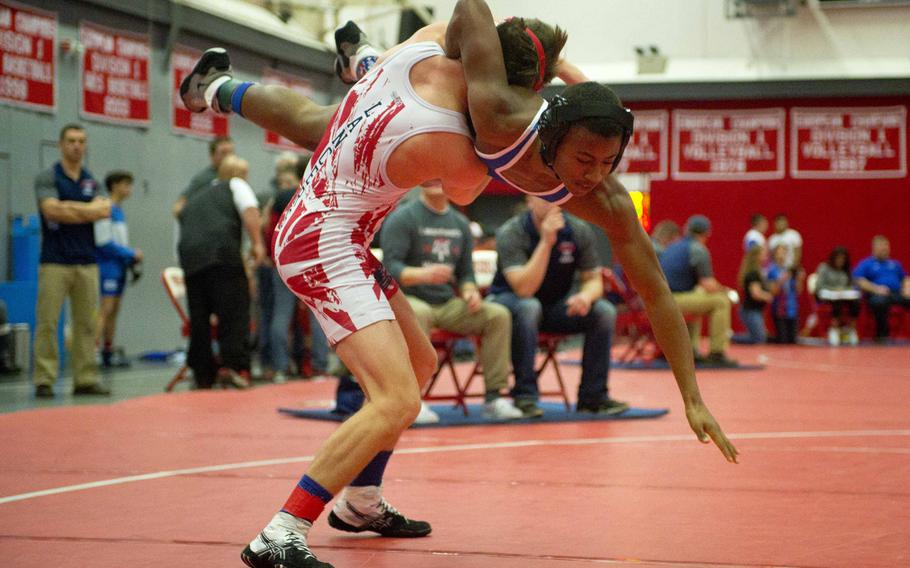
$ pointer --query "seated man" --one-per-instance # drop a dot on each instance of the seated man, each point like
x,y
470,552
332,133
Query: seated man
x,y
427,247
540,252
885,283
687,266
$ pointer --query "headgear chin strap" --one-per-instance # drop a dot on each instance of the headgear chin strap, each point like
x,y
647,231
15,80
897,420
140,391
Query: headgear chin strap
x,y
560,114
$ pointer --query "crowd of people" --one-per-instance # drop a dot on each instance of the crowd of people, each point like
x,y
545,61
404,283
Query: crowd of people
x,y
543,253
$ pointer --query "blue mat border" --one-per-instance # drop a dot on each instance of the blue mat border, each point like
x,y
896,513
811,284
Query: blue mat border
x,y
554,413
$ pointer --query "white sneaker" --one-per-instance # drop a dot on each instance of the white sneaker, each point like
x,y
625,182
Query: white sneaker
x,y
852,337
833,336
501,409
279,378
426,416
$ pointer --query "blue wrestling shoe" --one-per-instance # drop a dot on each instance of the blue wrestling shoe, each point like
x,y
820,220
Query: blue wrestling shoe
x,y
198,89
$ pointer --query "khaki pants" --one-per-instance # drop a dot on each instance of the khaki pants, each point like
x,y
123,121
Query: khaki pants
x,y
55,283
492,322
716,305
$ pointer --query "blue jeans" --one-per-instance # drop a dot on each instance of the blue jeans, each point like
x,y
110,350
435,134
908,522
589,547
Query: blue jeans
x,y
529,317
754,320
265,287
284,308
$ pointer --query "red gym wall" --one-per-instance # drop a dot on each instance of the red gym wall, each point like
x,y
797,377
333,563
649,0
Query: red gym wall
x,y
826,212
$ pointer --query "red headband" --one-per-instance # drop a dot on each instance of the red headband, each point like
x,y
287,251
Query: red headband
x,y
541,58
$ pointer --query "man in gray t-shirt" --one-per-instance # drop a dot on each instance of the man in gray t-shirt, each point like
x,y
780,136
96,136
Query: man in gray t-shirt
x,y
427,246
687,266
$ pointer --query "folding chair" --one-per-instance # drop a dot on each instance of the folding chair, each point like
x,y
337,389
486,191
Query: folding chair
x,y
484,262
175,287
444,343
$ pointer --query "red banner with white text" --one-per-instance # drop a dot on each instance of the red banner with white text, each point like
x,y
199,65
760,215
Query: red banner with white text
x,y
115,75
648,150
202,124
746,144
271,76
27,56
858,142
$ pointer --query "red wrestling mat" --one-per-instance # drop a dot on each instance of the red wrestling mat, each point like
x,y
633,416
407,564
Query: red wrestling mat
x,y
189,478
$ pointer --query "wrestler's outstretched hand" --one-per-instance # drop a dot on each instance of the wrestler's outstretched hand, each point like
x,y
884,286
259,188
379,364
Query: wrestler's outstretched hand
x,y
706,427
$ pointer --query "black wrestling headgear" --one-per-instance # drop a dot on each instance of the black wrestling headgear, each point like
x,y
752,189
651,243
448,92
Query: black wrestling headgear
x,y
561,113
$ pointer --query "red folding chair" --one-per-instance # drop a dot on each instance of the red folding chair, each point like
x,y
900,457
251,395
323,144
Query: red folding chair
x,y
444,343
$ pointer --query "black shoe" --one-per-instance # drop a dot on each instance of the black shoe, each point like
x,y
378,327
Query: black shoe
x,y
213,66
608,407
390,523
290,550
94,389
44,391
348,39
720,360
529,408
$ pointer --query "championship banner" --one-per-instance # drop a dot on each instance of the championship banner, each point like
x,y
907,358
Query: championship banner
x,y
27,56
203,124
851,143
271,76
648,150
115,75
729,145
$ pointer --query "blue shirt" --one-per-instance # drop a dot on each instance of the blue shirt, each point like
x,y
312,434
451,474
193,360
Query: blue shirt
x,y
66,243
888,272
785,303
684,263
112,243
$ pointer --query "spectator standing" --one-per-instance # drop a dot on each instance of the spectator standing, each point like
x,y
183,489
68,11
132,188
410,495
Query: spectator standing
x,y
265,294
540,254
788,238
219,148
211,225
885,283
69,204
112,246
755,295
787,284
427,246
285,304
755,236
834,286
690,274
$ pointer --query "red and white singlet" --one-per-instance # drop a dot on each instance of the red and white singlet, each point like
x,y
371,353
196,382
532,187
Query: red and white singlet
x,y
322,243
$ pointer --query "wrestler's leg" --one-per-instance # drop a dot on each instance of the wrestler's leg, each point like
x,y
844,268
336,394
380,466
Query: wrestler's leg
x,y
211,85
361,507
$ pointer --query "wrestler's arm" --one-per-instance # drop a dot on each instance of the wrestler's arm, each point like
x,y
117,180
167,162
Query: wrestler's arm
x,y
570,73
610,207
471,36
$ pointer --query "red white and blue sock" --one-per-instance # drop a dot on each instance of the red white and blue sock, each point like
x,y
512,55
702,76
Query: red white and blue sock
x,y
307,500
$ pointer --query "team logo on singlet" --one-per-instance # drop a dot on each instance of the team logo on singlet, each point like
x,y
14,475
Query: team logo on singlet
x,y
335,141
